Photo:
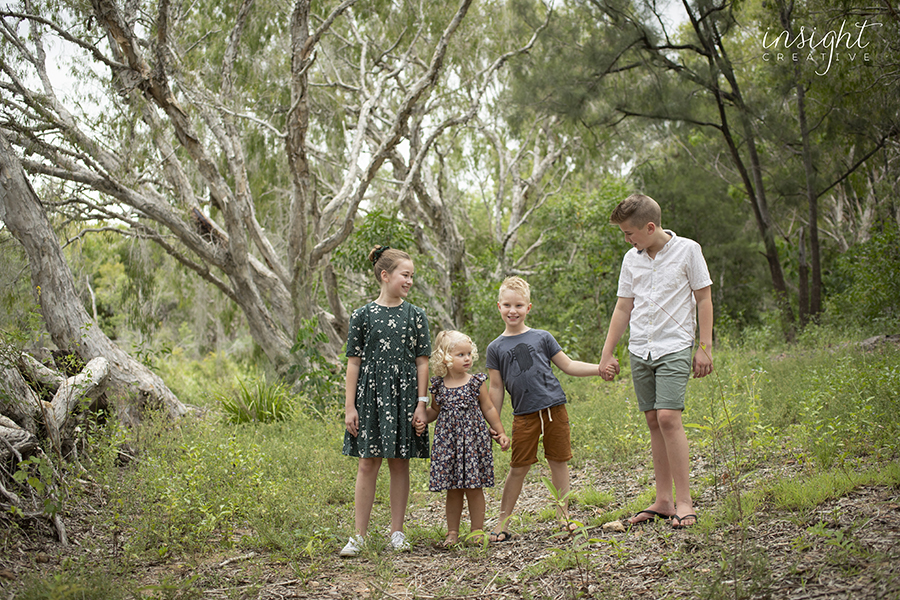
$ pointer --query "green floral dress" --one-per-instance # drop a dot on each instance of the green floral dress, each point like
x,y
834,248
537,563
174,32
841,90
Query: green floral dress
x,y
388,339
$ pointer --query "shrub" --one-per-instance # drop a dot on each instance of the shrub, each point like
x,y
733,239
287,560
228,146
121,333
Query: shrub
x,y
261,402
871,273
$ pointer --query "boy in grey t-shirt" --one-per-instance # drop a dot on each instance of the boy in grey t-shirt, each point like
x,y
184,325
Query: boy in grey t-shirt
x,y
519,361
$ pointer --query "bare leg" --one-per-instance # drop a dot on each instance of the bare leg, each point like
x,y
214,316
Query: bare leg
x,y
454,515
364,494
511,490
559,477
476,501
664,503
399,468
678,461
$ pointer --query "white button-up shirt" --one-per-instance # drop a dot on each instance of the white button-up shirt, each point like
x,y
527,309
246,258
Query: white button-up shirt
x,y
663,319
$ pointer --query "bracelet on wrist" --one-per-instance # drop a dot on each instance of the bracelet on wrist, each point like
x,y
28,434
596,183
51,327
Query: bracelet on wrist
x,y
423,399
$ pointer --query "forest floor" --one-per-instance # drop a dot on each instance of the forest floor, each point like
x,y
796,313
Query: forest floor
x,y
847,547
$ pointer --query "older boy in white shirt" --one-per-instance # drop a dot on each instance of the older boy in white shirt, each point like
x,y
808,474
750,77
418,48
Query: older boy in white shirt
x,y
664,281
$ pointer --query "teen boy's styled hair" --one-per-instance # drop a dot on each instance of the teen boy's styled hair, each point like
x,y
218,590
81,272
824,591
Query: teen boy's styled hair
x,y
638,210
515,284
385,258
442,354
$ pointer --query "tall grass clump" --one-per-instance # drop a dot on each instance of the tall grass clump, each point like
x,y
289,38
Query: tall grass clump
x,y
258,402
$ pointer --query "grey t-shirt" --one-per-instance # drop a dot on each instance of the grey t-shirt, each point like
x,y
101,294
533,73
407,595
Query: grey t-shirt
x,y
524,363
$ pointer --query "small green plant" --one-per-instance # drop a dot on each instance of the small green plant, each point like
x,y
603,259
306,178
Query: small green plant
x,y
576,556
844,551
36,473
261,402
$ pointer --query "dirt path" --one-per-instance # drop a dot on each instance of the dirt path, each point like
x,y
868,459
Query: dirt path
x,y
845,548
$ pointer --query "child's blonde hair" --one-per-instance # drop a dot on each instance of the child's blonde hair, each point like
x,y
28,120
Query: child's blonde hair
x,y
441,354
517,285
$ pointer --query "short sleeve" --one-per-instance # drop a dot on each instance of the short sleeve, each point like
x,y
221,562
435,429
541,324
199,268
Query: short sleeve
x,y
423,337
697,270
490,360
551,346
435,386
478,380
626,287
356,336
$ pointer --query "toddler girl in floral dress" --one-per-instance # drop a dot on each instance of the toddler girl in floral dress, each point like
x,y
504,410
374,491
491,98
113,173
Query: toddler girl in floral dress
x,y
461,459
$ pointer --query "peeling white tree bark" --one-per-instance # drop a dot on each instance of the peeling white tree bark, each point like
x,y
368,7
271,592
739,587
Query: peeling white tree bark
x,y
70,327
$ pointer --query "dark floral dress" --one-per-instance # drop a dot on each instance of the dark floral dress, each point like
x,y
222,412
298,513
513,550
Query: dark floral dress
x,y
388,339
462,457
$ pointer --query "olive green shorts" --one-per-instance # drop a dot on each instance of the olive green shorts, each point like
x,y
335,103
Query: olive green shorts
x,y
660,383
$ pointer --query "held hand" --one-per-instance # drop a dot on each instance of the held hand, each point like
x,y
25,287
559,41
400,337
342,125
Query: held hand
x,y
494,435
703,364
420,416
503,441
351,422
609,368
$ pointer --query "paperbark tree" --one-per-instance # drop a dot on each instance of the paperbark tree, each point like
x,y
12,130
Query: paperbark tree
x,y
182,174
247,150
67,321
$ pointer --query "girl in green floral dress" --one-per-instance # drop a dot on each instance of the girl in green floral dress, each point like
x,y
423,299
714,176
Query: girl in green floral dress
x,y
387,381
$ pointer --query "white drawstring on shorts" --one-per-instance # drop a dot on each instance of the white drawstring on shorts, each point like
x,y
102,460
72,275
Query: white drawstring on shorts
x,y
541,415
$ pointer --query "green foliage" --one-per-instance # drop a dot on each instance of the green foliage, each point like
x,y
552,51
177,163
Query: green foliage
x,y
261,402
318,381
37,475
193,380
195,483
869,279
283,484
20,317
605,422
73,586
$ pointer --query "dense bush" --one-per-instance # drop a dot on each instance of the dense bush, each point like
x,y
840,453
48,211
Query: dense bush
x,y
870,275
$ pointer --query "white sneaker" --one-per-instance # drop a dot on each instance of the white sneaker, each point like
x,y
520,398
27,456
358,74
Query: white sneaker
x,y
354,546
398,542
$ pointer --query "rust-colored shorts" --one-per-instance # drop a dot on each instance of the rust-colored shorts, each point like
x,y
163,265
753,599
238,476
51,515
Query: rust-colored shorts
x,y
553,424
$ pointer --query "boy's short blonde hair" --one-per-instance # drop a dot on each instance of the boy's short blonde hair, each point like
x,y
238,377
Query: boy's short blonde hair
x,y
515,284
442,353
638,210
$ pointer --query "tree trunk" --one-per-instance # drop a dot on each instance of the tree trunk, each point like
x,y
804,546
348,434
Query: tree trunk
x,y
720,63
812,198
19,441
70,327
803,299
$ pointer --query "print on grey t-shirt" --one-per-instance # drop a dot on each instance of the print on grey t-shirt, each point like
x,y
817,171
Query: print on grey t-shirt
x,y
524,363
522,353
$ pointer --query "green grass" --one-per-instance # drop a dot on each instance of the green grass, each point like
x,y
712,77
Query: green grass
x,y
174,491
